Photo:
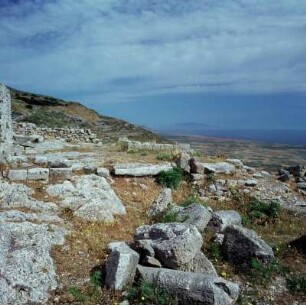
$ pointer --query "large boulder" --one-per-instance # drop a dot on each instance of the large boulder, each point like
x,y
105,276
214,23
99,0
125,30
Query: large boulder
x,y
121,266
161,203
140,169
174,244
240,245
191,288
222,219
195,214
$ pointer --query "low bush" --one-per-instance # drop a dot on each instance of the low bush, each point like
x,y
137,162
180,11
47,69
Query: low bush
x,y
265,272
164,156
262,212
171,178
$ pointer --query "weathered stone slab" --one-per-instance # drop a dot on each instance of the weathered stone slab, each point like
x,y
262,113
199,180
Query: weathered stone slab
x,y
19,196
219,168
38,174
60,174
140,169
17,174
191,288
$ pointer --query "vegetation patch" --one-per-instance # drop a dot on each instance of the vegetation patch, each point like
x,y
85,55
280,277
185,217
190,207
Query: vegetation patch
x,y
171,178
164,156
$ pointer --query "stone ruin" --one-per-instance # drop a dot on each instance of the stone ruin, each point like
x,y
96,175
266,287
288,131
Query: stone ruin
x,y
6,129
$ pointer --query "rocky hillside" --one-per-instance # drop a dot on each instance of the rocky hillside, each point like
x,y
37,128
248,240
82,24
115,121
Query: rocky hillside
x,y
52,112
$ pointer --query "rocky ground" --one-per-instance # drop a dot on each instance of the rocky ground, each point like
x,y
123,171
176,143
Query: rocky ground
x,y
62,204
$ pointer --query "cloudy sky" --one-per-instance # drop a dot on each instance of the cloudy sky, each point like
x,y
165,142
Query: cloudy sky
x,y
223,64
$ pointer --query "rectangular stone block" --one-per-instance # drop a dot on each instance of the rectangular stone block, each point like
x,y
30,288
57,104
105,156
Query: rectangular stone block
x,y
60,174
17,174
38,174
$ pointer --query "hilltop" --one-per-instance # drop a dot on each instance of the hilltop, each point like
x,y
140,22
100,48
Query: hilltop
x,y
49,111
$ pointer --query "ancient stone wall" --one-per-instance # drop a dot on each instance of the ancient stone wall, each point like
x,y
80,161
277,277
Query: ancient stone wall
x,y
128,144
6,130
68,134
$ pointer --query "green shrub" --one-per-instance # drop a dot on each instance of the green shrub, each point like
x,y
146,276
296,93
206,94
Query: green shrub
x,y
190,200
169,216
264,272
96,278
263,211
215,251
77,294
164,156
146,293
171,178
296,284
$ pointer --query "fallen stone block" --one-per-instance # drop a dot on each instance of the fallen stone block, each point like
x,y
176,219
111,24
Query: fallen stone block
x,y
240,245
191,288
174,244
219,168
121,266
195,214
222,219
140,169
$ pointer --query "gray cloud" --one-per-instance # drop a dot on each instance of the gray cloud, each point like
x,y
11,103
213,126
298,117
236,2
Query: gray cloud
x,y
118,50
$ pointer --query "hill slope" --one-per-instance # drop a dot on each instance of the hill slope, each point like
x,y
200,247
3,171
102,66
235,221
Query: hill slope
x,y
52,112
